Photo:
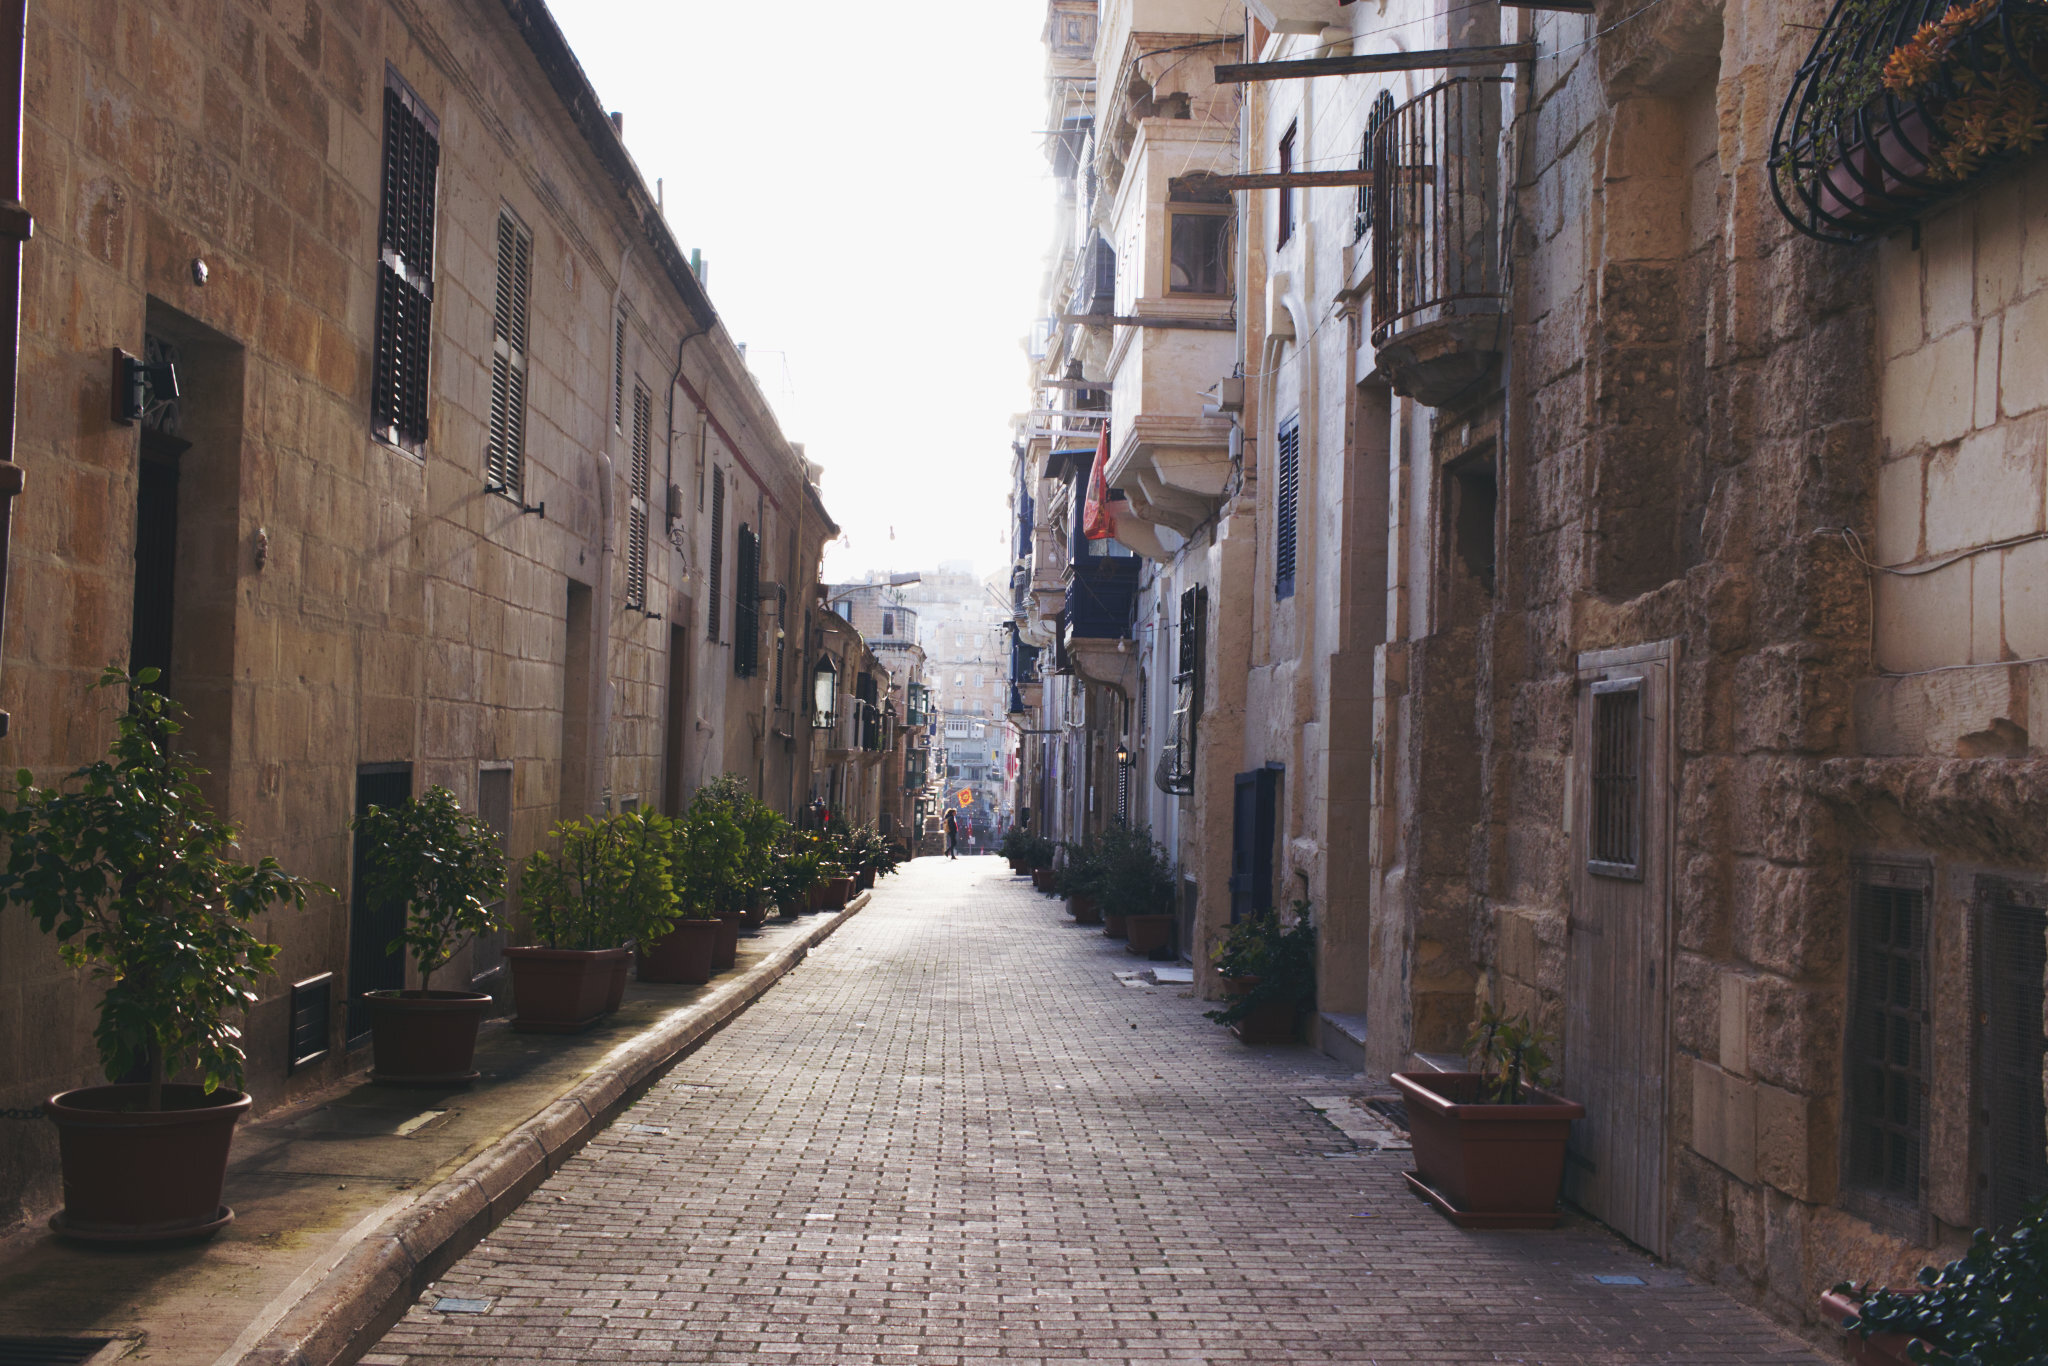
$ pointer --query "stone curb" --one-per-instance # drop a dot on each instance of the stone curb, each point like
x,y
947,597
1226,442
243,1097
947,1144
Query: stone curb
x,y
373,1284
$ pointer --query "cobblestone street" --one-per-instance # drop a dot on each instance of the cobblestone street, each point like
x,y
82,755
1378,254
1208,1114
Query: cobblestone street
x,y
953,1135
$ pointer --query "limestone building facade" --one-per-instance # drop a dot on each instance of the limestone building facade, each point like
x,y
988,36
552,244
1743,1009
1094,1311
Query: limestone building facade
x,y
464,481
1607,600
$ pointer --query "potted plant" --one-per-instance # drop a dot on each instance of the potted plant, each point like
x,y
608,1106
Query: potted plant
x,y
1284,985
447,870
705,859
1490,1143
795,875
1078,879
609,883
1240,956
126,864
1137,888
1989,1307
739,899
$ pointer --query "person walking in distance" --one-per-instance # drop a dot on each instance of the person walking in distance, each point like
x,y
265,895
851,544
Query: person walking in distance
x,y
952,824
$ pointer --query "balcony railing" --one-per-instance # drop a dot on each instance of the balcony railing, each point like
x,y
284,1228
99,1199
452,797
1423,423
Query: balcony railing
x,y
1438,301
1100,591
1900,104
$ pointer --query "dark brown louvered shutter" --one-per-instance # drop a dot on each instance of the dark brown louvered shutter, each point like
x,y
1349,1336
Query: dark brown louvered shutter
x,y
405,268
715,570
505,458
619,372
2012,1049
746,607
636,530
1287,508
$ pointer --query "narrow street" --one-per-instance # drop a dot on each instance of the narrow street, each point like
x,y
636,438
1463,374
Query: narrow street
x,y
953,1134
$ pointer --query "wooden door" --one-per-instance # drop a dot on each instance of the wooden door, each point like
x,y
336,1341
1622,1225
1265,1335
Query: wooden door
x,y
1617,993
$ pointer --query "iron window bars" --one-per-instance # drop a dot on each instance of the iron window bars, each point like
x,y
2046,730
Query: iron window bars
x,y
1614,830
1885,1052
1433,246
1176,773
1852,158
405,268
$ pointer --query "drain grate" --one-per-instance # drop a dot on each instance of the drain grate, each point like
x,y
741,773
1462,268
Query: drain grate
x,y
57,1351
1391,1109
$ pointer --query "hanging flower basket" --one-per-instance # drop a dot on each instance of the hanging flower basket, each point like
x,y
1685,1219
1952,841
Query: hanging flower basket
x,y
1901,104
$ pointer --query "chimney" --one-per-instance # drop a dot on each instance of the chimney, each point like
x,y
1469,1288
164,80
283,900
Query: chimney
x,y
619,123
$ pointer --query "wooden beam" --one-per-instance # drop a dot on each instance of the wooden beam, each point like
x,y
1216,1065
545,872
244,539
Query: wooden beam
x,y
1185,324
1290,180
1562,6
1099,385
1241,73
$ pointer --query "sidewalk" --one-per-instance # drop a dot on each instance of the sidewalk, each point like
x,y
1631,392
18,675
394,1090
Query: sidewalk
x,y
348,1203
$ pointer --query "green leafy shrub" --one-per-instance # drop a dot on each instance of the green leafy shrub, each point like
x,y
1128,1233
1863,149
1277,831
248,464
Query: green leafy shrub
x,y
1135,877
442,865
1508,1051
709,857
1989,1307
126,864
1281,955
1079,873
762,830
608,884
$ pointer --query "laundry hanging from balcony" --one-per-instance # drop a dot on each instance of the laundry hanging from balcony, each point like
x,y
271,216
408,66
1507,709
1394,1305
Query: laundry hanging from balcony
x,y
1098,518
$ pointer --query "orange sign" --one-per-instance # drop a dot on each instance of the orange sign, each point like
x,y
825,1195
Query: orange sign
x,y
966,796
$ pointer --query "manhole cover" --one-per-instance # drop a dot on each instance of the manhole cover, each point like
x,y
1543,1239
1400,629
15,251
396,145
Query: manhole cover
x,y
58,1351
1391,1109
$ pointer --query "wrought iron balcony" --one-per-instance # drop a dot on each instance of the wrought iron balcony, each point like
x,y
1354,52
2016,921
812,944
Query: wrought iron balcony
x,y
1439,306
1902,104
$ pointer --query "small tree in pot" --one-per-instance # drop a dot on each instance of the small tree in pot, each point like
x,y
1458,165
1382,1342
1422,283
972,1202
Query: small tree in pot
x,y
705,859
608,885
446,869
1269,970
1489,1143
127,865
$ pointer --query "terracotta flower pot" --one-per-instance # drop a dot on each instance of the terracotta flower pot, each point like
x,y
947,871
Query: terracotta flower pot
x,y
561,991
864,880
685,954
755,915
1880,172
143,1176
727,951
1486,1166
1881,1349
1148,933
1084,910
1234,987
834,893
424,1038
1269,1022
1041,878
1114,926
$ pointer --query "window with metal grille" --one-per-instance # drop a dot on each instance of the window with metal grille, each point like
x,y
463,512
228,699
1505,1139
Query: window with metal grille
x,y
1382,110
1614,831
2012,1052
636,511
1286,507
715,570
619,372
405,268
1177,758
746,606
1884,1101
505,456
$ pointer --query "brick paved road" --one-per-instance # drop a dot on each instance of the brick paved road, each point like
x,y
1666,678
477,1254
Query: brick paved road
x,y
953,1136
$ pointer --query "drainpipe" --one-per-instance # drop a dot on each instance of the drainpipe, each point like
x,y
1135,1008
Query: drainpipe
x,y
15,227
607,497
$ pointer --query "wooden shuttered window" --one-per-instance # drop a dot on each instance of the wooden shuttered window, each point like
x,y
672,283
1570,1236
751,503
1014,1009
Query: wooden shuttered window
x,y
1286,507
505,456
405,268
636,529
1177,763
619,372
746,606
2012,1049
715,570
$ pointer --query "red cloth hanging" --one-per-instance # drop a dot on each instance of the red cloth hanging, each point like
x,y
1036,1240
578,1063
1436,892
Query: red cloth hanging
x,y
1098,518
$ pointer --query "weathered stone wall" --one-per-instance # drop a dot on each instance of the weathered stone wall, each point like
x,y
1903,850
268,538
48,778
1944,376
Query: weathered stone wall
x,y
341,601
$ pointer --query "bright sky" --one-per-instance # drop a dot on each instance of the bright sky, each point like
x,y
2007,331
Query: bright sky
x,y
874,207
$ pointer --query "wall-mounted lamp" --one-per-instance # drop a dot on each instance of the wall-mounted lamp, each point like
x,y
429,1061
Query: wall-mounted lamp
x,y
1123,757
139,387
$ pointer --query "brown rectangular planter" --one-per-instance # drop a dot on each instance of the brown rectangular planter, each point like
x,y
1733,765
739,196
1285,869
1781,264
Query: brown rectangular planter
x,y
1147,934
1084,910
727,952
561,991
1113,926
1486,1166
1880,1349
1269,1022
685,954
